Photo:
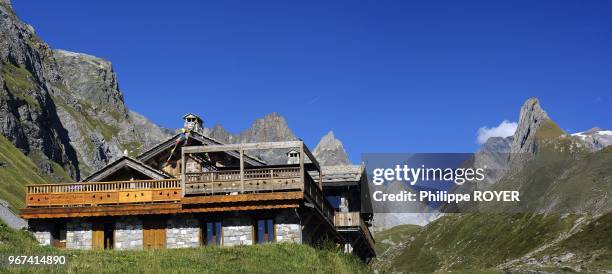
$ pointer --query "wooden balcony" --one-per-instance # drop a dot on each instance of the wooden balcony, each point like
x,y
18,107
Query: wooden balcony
x,y
103,193
254,181
228,189
352,221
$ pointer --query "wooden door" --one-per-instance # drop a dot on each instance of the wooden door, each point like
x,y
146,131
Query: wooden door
x,y
154,233
97,236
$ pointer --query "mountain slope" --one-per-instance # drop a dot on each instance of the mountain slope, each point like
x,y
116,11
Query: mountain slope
x,y
91,107
16,171
62,114
477,242
28,117
562,222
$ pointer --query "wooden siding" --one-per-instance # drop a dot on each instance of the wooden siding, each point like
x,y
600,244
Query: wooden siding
x,y
243,202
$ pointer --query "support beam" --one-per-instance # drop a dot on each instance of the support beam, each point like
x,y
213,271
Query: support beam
x,y
245,146
241,170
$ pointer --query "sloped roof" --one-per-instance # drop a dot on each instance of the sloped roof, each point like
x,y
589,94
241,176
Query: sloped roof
x,y
341,174
205,140
126,161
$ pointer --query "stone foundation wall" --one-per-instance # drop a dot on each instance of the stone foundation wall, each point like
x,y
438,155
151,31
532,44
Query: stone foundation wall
x,y
287,227
237,231
78,234
41,231
182,232
128,233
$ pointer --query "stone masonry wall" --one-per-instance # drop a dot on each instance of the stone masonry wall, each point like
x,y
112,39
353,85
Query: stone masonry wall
x,y
41,231
237,231
128,233
78,234
182,232
287,227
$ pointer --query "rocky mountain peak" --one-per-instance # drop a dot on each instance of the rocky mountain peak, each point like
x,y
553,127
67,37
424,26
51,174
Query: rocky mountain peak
x,y
6,2
92,79
270,128
330,151
530,119
595,138
592,131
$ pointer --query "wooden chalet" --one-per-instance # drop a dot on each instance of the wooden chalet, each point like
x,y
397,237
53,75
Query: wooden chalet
x,y
191,190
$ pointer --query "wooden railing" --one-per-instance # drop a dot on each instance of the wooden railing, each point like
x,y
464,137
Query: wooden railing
x,y
316,194
254,180
101,193
353,220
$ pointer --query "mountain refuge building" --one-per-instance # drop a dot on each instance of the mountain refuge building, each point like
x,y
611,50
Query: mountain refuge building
x,y
191,190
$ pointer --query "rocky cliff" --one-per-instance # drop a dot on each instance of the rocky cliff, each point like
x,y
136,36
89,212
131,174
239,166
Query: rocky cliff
x,y
64,110
28,115
92,109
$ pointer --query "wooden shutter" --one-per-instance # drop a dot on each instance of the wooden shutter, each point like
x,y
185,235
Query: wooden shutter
x,y
154,233
97,237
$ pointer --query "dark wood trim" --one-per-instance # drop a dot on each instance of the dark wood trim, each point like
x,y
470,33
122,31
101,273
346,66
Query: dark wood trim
x,y
150,209
293,195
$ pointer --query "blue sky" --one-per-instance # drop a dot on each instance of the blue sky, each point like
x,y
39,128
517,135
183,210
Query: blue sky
x,y
385,76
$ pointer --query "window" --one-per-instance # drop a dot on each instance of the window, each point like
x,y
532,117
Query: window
x,y
265,231
211,233
334,201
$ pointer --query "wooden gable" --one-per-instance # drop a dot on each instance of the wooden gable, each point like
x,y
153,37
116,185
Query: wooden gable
x,y
125,169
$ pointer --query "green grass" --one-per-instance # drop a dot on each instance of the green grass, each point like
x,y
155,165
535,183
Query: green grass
x,y
393,236
16,171
18,80
559,182
134,148
593,243
480,242
272,258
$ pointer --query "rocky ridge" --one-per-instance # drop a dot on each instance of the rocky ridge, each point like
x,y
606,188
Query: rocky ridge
x,y
273,128
63,109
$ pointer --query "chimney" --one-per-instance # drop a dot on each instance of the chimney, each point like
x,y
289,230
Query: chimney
x,y
193,123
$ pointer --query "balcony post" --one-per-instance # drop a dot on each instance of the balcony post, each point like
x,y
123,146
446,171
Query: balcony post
x,y
241,170
302,171
183,175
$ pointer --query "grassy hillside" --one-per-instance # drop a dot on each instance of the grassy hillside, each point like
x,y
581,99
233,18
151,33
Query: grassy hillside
x,y
561,179
394,236
16,171
483,242
273,258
